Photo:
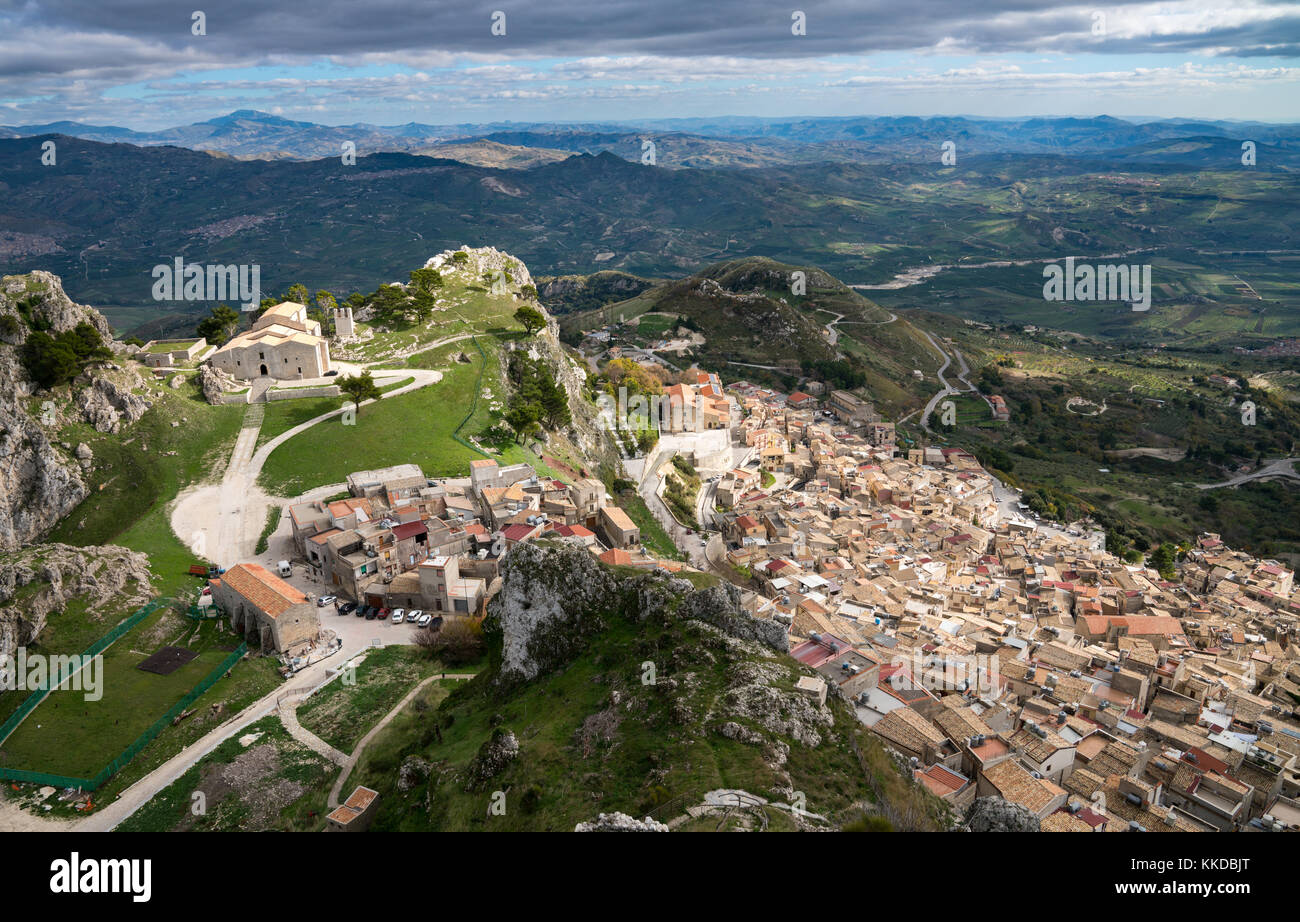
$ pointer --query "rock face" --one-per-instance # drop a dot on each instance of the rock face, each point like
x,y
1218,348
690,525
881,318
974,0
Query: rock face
x,y
720,606
993,814
553,598
105,404
550,601
47,304
481,260
493,757
39,582
39,482
620,822
214,382
576,292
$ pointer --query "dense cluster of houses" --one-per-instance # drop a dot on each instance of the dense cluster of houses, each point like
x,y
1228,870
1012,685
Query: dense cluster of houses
x,y
401,540
998,657
1003,659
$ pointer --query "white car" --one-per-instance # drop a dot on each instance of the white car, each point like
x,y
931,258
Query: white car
x,y
425,620
325,600
398,615
414,615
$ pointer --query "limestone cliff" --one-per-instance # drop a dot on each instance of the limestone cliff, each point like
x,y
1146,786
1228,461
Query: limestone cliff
x,y
41,478
611,690
46,579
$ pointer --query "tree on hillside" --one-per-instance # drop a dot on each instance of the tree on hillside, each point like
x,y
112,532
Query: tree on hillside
x,y
521,418
554,403
389,303
426,279
53,360
219,325
298,294
456,642
359,388
531,318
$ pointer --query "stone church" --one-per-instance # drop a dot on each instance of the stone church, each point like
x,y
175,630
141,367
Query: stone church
x,y
283,343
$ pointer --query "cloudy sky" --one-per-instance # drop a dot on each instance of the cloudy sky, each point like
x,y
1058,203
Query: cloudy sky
x,y
139,63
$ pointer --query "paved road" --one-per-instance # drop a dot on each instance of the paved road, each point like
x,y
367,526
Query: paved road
x,y
948,390
223,522
137,795
1283,467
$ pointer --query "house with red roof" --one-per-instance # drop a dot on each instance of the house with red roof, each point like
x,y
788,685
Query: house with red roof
x,y
260,605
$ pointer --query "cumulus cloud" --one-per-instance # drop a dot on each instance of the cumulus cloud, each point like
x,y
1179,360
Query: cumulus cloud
x,y
133,59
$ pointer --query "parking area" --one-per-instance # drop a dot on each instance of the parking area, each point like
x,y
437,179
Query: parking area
x,y
354,629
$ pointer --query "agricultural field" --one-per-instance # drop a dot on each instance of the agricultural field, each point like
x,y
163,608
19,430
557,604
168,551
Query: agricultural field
x,y
1198,299
1128,433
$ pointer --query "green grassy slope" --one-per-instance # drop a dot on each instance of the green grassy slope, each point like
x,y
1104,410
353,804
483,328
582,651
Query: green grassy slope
x,y
595,737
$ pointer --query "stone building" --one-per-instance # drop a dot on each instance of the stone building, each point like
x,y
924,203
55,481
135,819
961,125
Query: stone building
x,y
356,813
283,343
260,603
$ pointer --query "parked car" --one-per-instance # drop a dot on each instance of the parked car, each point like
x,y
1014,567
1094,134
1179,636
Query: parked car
x,y
398,616
413,615
347,608
424,620
383,612
326,600
331,373
371,613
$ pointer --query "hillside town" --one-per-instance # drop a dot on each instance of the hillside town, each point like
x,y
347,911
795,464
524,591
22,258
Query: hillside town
x,y
994,654
1005,657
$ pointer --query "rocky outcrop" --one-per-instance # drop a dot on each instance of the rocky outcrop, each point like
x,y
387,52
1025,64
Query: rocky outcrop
x,y
493,757
993,814
40,481
551,601
414,772
40,582
107,405
214,383
761,693
483,260
567,293
554,597
720,606
46,304
620,822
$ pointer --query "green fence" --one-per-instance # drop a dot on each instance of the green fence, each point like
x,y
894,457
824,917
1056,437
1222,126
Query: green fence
x,y
144,739
478,388
99,646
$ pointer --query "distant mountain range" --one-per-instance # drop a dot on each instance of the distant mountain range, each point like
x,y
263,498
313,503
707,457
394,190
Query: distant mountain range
x,y
698,142
108,212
